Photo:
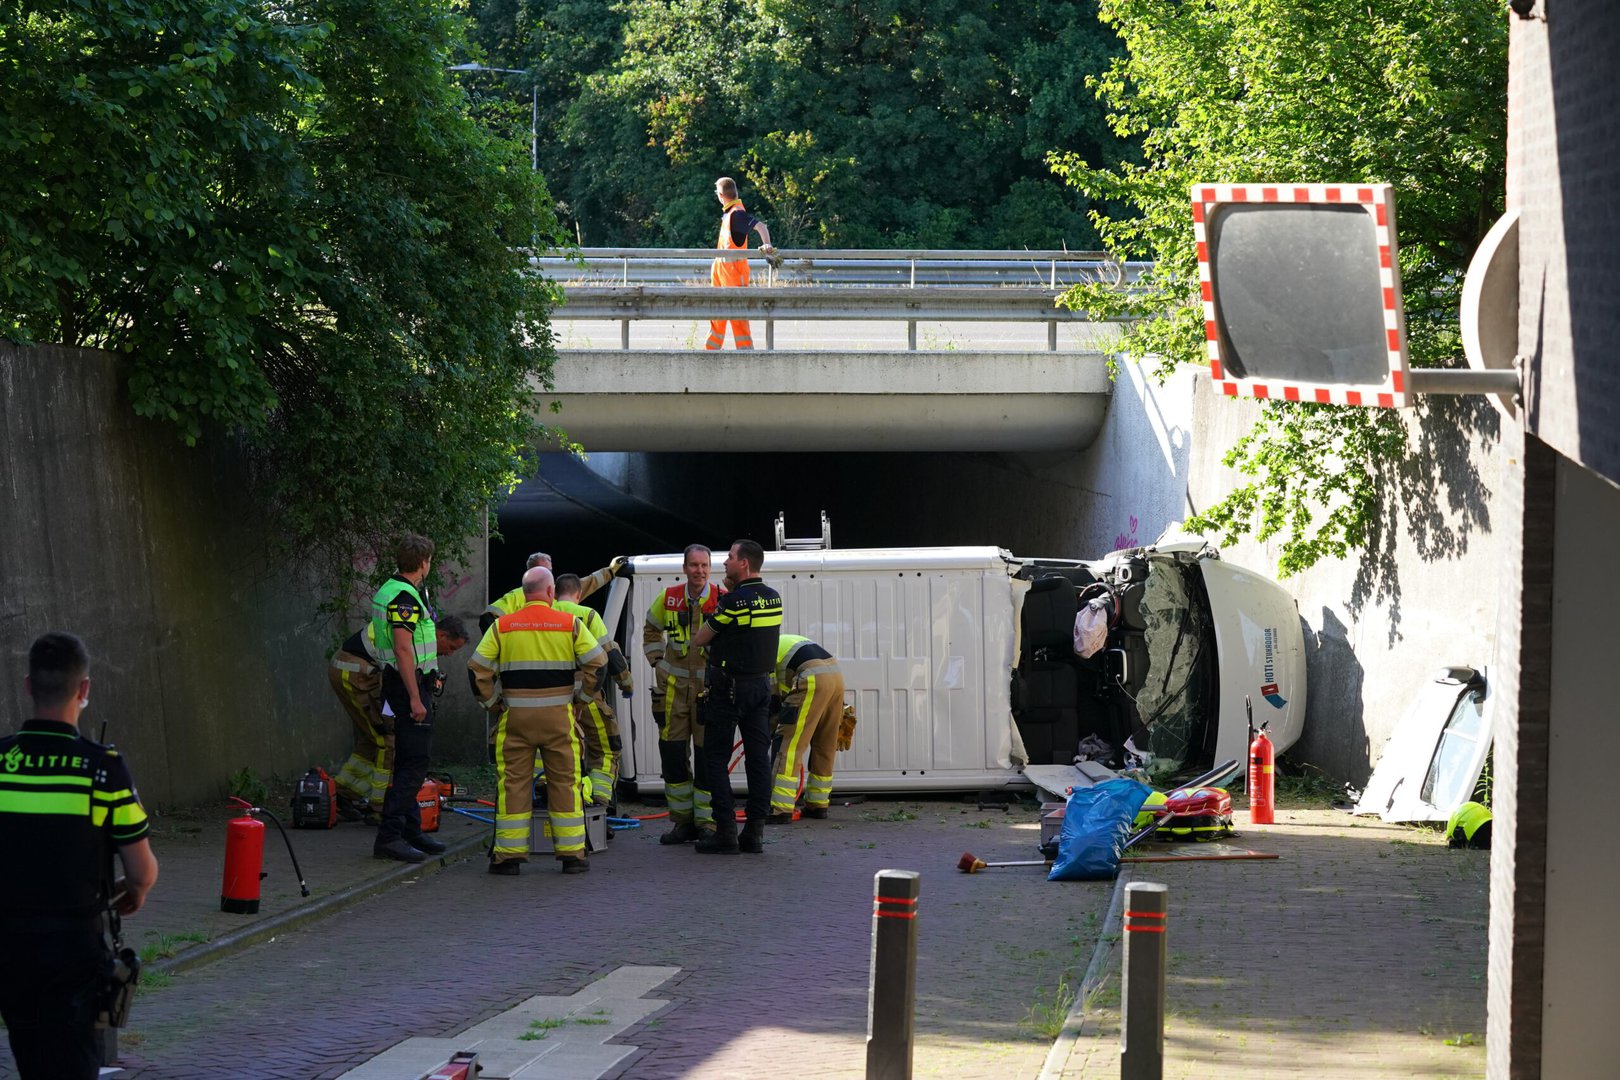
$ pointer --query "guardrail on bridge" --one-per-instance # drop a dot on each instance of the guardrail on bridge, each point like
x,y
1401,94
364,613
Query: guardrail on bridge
x,y
865,291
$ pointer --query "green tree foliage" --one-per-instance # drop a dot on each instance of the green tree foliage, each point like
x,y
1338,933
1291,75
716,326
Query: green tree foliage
x,y
871,124
285,218
1409,92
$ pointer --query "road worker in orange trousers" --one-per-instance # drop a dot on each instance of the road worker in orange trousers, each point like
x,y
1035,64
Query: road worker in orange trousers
x,y
735,225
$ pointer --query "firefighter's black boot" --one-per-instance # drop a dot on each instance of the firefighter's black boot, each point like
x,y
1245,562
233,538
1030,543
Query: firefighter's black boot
x,y
684,832
752,839
720,840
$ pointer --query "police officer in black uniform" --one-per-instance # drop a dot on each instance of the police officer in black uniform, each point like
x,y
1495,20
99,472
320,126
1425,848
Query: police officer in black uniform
x,y
741,638
66,804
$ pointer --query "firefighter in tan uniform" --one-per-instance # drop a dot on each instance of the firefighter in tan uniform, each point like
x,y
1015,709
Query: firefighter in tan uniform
x,y
675,616
357,681
812,697
528,666
509,602
593,716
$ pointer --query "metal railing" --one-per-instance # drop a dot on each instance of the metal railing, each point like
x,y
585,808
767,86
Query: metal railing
x,y
845,266
833,285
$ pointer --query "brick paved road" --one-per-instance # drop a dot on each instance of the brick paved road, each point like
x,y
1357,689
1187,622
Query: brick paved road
x,y
773,952
1359,955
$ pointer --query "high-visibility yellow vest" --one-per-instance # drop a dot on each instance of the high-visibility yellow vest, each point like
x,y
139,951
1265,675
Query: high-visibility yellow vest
x,y
424,642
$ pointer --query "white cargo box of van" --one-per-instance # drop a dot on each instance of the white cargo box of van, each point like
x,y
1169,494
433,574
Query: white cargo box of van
x,y
928,640
924,638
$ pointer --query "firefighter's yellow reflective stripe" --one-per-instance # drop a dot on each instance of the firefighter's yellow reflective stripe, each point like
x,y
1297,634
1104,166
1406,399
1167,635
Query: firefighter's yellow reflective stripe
x,y
46,802
791,752
7,779
669,707
513,828
678,796
496,847
818,792
589,654
702,808
784,796
597,724
357,667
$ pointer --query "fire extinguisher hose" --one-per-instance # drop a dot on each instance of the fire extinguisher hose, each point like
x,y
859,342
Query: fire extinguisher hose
x,y
303,888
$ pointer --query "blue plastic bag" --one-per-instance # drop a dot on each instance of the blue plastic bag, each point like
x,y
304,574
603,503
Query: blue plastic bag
x,y
1096,822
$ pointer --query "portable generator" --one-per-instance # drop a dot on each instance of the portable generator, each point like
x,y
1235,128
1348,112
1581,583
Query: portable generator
x,y
314,803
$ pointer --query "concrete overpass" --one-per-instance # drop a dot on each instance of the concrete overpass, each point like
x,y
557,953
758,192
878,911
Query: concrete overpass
x,y
825,393
668,399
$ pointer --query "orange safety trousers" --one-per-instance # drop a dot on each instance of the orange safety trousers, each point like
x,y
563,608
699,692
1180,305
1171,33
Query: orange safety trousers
x,y
728,274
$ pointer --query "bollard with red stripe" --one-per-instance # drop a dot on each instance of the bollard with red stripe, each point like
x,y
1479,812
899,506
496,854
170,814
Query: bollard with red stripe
x,y
892,992
1141,1029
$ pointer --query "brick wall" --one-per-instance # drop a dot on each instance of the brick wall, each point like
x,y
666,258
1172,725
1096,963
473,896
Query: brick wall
x,y
1563,145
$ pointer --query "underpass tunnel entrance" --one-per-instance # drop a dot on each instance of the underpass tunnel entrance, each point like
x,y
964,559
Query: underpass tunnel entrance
x,y
583,514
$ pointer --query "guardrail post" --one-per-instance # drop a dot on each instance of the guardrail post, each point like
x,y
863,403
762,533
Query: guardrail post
x,y
624,334
770,334
1051,336
911,334
892,992
1141,1029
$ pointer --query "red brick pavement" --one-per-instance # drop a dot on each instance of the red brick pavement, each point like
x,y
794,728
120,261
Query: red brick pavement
x,y
773,951
1358,955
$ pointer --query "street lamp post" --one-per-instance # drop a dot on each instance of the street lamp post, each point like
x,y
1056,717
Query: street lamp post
x,y
534,106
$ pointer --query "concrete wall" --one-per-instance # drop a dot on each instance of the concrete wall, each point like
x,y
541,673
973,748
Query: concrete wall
x,y
1423,595
206,655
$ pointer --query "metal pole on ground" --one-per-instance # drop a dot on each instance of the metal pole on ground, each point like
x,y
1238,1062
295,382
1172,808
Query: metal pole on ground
x,y
892,992
1141,1029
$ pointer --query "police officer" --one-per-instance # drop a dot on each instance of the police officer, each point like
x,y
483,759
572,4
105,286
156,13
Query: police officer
x,y
402,631
812,706
741,639
675,616
598,727
66,804
357,682
524,668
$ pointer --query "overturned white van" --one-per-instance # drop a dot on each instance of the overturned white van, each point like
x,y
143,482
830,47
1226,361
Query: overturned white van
x,y
960,682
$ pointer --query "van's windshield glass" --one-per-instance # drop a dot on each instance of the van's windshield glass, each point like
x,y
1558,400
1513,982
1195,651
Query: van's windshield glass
x,y
1171,701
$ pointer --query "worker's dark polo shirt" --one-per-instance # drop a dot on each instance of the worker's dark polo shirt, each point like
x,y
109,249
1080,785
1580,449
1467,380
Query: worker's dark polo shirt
x,y
65,803
747,626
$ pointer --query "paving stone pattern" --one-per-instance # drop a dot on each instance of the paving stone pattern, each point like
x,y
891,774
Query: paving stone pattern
x,y
772,952
1357,955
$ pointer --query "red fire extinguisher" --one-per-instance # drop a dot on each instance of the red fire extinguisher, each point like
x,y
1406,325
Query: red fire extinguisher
x,y
244,859
1262,773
